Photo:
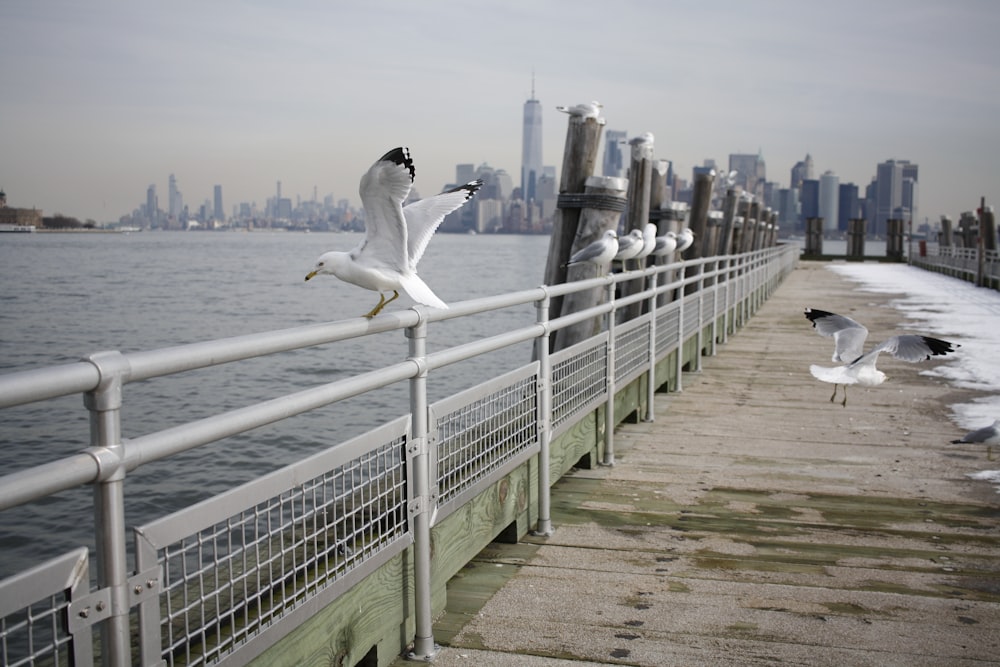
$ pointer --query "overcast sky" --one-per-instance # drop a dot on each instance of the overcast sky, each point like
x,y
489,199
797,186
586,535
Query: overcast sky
x,y
99,99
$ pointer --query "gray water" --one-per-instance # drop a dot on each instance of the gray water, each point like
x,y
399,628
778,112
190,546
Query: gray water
x,y
63,296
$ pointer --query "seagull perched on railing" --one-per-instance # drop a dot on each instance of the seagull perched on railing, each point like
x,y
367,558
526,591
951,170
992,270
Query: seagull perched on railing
x,y
665,244
629,246
648,240
859,367
684,239
600,252
395,236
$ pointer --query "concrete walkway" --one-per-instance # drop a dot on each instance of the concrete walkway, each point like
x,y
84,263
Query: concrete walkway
x,y
757,523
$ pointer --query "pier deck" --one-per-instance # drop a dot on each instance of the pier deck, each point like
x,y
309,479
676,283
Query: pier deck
x,y
754,522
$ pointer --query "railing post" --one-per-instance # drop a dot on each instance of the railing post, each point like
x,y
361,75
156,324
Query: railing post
x,y
104,404
424,499
609,410
680,327
651,381
544,527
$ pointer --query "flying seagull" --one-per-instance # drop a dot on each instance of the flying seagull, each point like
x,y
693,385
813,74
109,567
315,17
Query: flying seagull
x,y
859,367
600,252
395,235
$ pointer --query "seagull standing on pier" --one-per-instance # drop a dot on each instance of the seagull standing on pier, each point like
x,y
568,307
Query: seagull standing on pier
x,y
395,236
586,110
648,241
600,252
987,435
858,367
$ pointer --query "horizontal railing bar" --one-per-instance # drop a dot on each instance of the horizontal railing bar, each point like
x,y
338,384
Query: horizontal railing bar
x,y
483,345
46,479
39,384
154,446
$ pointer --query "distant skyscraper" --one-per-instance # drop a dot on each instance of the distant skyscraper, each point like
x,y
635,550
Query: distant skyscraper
x,y
151,204
614,158
175,202
849,206
219,213
531,145
751,172
802,170
829,191
809,199
895,193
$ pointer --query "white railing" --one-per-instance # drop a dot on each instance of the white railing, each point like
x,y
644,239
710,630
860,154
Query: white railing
x,y
976,265
225,579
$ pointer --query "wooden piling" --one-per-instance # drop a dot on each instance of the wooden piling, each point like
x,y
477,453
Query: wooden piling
x,y
594,219
729,206
579,157
945,238
637,210
856,230
894,238
814,236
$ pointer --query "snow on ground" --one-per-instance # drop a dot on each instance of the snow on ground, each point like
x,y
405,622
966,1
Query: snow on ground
x,y
956,311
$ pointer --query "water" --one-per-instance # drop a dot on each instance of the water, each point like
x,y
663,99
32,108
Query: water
x,y
65,296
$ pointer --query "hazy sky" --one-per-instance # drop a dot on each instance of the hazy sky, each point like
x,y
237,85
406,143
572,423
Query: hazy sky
x,y
101,99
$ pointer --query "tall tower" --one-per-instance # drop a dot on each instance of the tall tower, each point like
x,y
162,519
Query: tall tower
x,y
175,204
829,200
614,161
219,214
531,145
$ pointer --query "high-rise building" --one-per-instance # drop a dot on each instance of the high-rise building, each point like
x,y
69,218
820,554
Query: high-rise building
x,y
802,170
219,213
751,172
809,200
829,192
152,205
175,203
895,194
614,159
849,206
531,145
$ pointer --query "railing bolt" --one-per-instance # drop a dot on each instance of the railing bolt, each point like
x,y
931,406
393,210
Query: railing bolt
x,y
137,590
99,606
85,612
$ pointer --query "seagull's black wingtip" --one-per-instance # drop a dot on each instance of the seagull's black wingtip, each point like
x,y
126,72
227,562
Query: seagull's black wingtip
x,y
400,155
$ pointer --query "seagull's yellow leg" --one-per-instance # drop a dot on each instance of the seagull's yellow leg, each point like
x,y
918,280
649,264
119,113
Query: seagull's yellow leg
x,y
382,303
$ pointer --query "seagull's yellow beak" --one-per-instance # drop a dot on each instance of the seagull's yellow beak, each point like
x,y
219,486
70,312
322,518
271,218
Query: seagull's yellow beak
x,y
311,274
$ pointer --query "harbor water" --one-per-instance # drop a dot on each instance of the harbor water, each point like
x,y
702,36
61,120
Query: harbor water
x,y
65,296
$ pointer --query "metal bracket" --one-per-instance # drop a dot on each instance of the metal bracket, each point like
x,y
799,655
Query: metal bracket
x,y
96,606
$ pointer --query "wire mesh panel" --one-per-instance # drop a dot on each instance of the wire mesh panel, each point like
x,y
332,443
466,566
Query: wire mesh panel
x,y
579,381
250,557
631,349
35,620
482,433
692,303
668,323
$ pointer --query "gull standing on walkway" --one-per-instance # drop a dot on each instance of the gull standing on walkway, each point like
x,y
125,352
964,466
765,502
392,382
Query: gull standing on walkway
x,y
859,368
395,236
987,435
600,252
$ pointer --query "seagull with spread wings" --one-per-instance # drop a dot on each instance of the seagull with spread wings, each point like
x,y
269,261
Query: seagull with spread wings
x,y
857,366
395,235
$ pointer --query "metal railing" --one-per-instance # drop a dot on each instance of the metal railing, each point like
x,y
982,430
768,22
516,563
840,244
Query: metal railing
x,y
976,265
225,579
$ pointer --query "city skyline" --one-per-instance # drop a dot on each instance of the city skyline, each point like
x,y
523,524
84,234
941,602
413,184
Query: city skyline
x,y
103,100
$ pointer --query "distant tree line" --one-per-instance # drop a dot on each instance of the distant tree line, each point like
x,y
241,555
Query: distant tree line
x,y
60,221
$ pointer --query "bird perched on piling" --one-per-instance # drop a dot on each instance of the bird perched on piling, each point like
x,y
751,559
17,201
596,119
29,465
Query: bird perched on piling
x,y
584,110
629,246
684,239
648,241
859,367
395,235
600,252
665,244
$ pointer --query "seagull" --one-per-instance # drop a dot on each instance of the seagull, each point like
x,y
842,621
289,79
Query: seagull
x,y
859,367
629,246
600,252
648,240
395,236
586,110
665,244
987,435
685,239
